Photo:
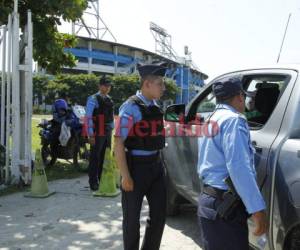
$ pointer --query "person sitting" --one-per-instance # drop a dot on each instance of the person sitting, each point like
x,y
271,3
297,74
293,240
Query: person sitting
x,y
251,111
266,98
59,110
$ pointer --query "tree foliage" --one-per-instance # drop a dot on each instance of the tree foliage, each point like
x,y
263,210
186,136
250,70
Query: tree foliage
x,y
127,85
124,86
48,43
79,87
40,84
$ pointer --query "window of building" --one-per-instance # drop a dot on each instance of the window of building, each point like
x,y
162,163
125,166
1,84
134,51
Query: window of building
x,y
82,59
102,62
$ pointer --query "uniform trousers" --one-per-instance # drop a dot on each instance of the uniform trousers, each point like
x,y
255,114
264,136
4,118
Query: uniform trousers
x,y
218,233
97,154
148,176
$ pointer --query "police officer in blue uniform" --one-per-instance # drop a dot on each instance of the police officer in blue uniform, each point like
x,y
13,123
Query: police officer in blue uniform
x,y
100,119
229,154
139,136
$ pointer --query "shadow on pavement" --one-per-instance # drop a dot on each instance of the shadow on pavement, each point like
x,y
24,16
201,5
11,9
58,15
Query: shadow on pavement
x,y
71,219
187,222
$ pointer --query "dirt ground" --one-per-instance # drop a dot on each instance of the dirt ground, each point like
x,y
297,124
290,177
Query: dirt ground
x,y
73,219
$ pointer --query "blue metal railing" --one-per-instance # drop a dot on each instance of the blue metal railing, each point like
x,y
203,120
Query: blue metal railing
x,y
101,55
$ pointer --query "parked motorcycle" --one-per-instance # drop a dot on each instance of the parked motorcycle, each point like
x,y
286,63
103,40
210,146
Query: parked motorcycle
x,y
76,148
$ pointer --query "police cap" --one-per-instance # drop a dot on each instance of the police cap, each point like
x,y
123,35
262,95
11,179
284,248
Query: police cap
x,y
228,87
152,69
104,80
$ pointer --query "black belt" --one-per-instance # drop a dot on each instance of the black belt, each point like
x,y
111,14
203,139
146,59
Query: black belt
x,y
143,158
214,192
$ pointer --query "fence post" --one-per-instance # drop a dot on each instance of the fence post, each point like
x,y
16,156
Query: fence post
x,y
26,105
15,158
3,85
8,101
16,99
2,116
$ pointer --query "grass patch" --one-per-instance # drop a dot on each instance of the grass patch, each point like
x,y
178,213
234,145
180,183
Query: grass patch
x,y
60,170
36,141
13,189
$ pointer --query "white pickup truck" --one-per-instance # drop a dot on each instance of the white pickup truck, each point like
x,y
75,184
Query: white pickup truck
x,y
275,133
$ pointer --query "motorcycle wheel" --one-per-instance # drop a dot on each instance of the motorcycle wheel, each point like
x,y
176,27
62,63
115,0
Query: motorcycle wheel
x,y
81,153
47,158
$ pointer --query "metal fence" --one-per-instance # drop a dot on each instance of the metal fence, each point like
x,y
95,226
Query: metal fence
x,y
16,99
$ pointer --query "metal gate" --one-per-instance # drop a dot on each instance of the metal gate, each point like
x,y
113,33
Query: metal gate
x,y
16,99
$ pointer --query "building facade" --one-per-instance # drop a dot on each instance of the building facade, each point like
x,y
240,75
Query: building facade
x,y
104,57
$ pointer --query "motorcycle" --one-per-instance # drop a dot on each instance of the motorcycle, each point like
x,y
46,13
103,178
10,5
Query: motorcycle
x,y
77,145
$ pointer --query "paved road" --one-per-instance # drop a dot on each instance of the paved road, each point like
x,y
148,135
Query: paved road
x,y
72,219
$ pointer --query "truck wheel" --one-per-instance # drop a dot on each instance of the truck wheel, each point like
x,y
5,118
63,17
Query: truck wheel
x,y
172,195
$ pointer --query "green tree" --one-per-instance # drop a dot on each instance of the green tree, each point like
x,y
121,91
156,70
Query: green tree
x,y
40,84
48,43
79,87
171,90
124,86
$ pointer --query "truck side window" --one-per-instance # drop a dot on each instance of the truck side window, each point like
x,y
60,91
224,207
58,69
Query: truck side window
x,y
206,106
264,93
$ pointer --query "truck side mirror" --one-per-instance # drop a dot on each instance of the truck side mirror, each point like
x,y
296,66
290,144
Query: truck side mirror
x,y
175,113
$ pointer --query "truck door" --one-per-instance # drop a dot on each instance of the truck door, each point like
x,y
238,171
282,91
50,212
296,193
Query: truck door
x,y
181,150
204,108
264,112
197,111
177,155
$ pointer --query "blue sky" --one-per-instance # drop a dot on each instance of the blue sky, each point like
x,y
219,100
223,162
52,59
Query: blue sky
x,y
222,34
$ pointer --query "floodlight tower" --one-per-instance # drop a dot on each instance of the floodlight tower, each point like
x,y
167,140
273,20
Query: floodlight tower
x,y
91,24
163,42
184,75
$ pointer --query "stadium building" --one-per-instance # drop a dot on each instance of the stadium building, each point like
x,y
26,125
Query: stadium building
x,y
98,52
105,57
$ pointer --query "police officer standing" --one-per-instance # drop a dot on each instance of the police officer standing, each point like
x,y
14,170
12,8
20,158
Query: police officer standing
x,y
100,118
138,139
229,154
